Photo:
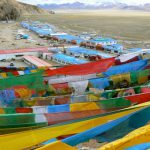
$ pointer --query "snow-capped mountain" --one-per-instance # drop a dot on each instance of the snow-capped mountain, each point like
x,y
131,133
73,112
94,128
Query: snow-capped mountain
x,y
104,4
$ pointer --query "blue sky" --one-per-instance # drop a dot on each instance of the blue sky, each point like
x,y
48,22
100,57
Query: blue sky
x,y
85,1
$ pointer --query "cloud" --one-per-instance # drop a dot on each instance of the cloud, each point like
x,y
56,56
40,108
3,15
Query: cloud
x,y
83,1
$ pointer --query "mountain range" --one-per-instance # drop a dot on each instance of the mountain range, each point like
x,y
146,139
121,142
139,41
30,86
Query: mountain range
x,y
102,5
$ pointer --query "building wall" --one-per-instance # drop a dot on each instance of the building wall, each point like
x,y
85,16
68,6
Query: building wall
x,y
107,43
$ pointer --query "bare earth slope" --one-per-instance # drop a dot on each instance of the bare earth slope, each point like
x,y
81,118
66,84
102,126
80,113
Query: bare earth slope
x,y
11,9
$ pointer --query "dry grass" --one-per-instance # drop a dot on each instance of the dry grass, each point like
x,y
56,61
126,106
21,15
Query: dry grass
x,y
122,25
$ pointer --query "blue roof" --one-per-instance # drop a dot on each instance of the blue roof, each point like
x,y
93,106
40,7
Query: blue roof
x,y
103,40
85,51
117,45
45,31
39,28
68,59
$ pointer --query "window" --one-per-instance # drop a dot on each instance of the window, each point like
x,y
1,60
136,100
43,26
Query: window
x,y
19,55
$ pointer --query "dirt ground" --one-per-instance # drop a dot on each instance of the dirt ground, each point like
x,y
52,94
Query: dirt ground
x,y
8,33
90,145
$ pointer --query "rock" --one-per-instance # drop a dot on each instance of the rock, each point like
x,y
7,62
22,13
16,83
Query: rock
x,y
12,10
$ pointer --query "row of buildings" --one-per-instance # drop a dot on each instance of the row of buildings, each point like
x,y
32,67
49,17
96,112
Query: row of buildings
x,y
86,40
